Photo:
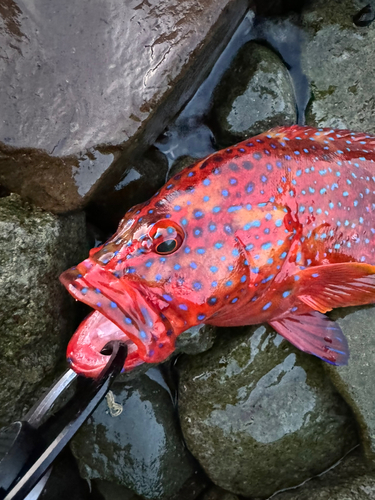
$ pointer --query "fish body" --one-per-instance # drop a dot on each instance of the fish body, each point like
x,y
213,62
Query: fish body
x,y
279,228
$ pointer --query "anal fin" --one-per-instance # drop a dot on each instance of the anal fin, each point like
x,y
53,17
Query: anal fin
x,y
315,334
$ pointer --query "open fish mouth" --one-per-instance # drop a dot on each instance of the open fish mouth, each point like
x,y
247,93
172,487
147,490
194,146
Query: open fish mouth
x,y
84,351
121,313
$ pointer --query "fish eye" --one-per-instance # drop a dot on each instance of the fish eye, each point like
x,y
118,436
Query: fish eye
x,y
167,237
166,247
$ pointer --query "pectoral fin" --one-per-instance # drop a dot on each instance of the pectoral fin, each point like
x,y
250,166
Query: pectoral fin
x,y
316,334
337,285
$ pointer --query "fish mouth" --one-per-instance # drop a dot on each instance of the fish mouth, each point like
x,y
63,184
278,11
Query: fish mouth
x,y
121,313
85,349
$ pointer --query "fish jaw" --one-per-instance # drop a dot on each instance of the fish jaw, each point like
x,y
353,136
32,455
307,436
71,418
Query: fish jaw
x,y
93,334
122,313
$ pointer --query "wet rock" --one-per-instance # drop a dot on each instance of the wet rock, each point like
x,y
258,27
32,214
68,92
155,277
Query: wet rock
x,y
260,415
141,448
216,493
89,85
140,181
356,380
337,58
37,316
59,488
112,491
365,16
350,480
197,339
254,95
278,7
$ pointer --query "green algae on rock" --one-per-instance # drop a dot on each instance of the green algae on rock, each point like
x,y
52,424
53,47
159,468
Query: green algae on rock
x,y
254,95
259,415
37,316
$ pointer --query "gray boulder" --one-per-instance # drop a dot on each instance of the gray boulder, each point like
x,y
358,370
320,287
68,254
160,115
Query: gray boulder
x,y
352,479
259,415
254,95
338,59
135,441
37,315
356,380
89,85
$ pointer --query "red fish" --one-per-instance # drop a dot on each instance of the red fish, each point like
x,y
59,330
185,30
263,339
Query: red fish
x,y
279,228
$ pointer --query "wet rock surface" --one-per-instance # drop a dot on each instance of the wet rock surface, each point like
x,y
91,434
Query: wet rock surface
x,y
141,448
140,181
254,95
58,488
112,491
350,480
216,493
337,58
260,415
356,380
37,316
197,339
86,83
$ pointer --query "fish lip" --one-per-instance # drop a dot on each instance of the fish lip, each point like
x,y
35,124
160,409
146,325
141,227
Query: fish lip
x,y
80,277
128,302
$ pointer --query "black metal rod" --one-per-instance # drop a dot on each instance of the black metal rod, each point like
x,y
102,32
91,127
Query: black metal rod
x,y
94,396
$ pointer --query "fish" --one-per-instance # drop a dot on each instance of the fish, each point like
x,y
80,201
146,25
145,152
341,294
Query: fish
x,y
277,229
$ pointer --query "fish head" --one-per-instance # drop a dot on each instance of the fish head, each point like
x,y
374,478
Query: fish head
x,y
163,271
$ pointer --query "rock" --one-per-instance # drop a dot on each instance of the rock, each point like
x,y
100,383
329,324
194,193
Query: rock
x,y
112,491
259,415
254,95
65,481
89,85
216,493
350,480
356,380
141,180
140,449
337,58
365,16
197,339
278,7
37,315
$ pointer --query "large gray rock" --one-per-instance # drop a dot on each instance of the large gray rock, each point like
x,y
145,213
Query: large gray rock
x,y
37,316
254,95
216,493
112,491
140,181
141,448
197,339
259,415
350,480
337,58
356,380
87,85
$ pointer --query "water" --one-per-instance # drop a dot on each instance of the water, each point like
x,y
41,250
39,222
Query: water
x,y
190,133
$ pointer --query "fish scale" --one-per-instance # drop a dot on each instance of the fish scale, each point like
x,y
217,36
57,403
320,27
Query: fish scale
x,y
277,229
